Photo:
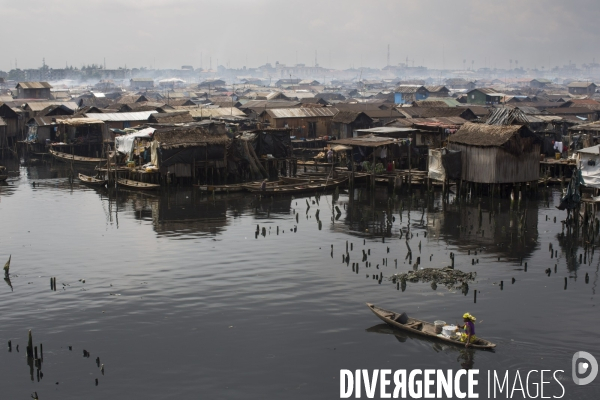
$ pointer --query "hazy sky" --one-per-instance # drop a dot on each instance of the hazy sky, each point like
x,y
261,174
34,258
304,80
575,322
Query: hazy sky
x,y
172,33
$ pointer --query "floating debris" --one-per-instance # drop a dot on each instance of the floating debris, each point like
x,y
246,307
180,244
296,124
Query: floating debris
x,y
449,277
7,266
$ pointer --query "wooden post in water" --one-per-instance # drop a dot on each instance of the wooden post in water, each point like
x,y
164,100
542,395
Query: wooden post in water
x,y
206,165
30,345
352,168
373,172
409,164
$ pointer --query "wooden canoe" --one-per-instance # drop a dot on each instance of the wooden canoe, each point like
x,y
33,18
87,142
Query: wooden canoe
x,y
302,179
255,185
89,180
137,185
299,187
288,180
68,158
422,328
220,188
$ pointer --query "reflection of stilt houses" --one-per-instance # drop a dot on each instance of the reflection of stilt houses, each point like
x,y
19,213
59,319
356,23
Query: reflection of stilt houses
x,y
489,224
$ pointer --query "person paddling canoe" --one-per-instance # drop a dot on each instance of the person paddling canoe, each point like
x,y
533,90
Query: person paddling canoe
x,y
468,336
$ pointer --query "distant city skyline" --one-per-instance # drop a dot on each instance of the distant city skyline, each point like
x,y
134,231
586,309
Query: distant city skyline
x,y
339,35
471,66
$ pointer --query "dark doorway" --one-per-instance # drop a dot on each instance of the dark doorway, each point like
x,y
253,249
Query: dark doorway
x,y
312,129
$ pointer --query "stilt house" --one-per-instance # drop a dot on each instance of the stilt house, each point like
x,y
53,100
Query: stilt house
x,y
497,154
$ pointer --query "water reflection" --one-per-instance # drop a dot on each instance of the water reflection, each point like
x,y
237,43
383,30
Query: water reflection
x,y
8,282
188,212
265,294
491,225
178,212
465,357
575,255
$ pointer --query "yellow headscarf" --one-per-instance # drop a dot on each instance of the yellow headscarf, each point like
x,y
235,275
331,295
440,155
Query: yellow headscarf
x,y
469,317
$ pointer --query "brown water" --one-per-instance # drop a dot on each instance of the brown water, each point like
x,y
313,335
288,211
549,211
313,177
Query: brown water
x,y
181,298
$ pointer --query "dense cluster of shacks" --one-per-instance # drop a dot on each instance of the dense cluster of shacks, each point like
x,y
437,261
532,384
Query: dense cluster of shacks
x,y
484,132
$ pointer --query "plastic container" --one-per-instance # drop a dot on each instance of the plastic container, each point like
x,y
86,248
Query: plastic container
x,y
438,326
449,331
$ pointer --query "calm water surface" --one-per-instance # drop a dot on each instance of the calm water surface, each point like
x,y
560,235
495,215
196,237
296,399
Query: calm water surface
x,y
181,298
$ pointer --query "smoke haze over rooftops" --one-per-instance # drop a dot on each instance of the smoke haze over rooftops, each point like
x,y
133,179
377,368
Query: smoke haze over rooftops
x,y
235,33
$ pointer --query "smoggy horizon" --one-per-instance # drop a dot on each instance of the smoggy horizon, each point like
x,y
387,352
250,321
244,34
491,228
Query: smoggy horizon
x,y
164,34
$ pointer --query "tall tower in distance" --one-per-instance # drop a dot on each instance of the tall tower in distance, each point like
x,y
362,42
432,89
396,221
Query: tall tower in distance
x,y
388,56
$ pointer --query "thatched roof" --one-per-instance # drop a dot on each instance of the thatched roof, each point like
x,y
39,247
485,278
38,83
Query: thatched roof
x,y
191,136
484,135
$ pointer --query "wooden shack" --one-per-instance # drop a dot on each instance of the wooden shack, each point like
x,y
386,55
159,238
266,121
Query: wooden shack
x,y
81,131
122,120
14,126
197,151
306,122
345,123
3,137
33,90
141,83
497,154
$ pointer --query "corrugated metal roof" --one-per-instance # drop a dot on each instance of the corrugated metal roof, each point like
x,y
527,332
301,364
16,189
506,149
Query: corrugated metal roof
x,y
299,94
580,84
34,85
346,117
436,88
450,102
409,88
439,121
594,150
40,105
116,117
367,141
528,110
302,112
270,104
45,121
571,111
594,126
216,112
384,129
488,91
